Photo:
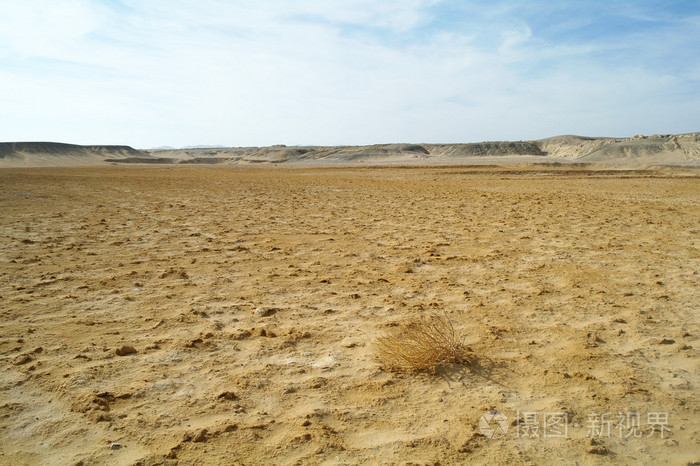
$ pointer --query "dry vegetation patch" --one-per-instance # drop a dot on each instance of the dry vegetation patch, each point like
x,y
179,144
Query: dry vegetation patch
x,y
420,345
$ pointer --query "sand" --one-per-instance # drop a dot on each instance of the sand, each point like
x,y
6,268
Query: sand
x,y
225,315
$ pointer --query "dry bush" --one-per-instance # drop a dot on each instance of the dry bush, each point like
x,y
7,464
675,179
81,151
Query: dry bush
x,y
422,344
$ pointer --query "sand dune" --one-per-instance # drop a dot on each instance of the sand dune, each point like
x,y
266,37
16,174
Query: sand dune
x,y
683,149
226,315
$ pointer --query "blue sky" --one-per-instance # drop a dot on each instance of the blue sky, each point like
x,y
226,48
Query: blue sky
x,y
322,72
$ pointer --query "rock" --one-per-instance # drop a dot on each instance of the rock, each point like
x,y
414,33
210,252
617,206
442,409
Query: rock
x,y
241,335
598,450
125,350
201,436
193,343
227,396
264,312
302,438
667,341
261,332
22,359
115,446
172,271
318,382
350,343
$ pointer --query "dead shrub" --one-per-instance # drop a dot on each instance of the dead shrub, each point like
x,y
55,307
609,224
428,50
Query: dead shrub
x,y
420,345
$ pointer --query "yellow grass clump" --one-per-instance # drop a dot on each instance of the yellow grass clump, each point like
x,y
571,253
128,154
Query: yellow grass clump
x,y
420,345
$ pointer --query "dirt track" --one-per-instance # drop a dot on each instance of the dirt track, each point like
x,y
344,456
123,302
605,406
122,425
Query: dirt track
x,y
576,290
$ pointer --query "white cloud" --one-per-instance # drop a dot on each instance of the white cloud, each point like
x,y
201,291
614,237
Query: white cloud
x,y
318,72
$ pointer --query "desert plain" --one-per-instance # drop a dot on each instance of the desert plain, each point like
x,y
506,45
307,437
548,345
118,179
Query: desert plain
x,y
226,315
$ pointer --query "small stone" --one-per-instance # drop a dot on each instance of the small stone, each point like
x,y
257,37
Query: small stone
x,y
598,450
667,341
125,350
201,436
302,438
348,343
318,382
227,396
193,343
22,359
263,312
115,446
241,335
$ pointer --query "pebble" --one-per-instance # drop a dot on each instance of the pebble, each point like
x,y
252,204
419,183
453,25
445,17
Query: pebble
x,y
263,312
124,350
350,343
598,450
22,359
227,396
201,436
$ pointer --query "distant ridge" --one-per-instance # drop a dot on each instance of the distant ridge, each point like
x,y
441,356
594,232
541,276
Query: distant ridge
x,y
58,153
659,149
16,149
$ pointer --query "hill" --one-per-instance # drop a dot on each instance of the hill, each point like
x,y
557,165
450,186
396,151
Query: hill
x,y
59,154
663,149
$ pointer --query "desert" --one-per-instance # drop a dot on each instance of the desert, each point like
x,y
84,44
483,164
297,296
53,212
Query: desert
x,y
350,232
177,313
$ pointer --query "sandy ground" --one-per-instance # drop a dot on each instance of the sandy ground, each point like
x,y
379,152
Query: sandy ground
x,y
577,292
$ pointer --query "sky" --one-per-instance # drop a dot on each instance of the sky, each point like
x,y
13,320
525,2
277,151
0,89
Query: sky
x,y
151,73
